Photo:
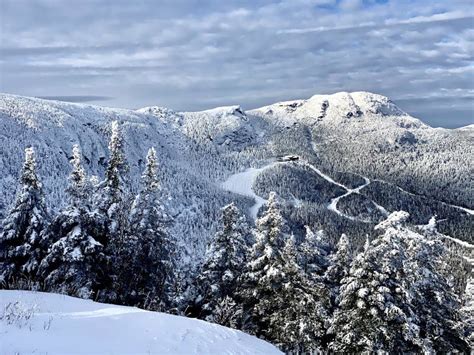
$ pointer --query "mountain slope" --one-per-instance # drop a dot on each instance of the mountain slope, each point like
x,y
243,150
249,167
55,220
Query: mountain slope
x,y
343,139
56,324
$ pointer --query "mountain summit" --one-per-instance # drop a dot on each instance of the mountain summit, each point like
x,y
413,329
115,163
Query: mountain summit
x,y
346,159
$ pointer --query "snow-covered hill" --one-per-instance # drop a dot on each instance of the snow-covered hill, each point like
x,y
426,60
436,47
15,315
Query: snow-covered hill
x,y
42,323
344,139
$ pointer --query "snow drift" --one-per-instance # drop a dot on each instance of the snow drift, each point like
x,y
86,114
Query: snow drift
x,y
36,322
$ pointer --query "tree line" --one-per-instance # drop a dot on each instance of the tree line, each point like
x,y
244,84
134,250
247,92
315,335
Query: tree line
x,y
304,295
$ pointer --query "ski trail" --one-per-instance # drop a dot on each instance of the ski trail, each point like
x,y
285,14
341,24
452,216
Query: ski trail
x,y
467,210
241,183
333,203
324,176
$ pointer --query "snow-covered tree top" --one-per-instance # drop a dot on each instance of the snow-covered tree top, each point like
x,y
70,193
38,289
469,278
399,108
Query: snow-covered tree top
x,y
394,220
28,176
149,176
78,178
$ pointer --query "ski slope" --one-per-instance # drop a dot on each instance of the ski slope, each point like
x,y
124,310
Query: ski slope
x,y
241,183
42,323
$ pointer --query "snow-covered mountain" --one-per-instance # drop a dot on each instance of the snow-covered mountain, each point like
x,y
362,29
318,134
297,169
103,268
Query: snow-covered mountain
x,y
44,323
355,157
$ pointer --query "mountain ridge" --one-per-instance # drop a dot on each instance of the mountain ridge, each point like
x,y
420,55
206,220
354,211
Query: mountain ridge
x,y
200,150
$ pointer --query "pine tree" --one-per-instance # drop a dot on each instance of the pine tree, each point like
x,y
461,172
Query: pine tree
x,y
75,263
340,261
279,302
375,308
20,247
220,271
146,258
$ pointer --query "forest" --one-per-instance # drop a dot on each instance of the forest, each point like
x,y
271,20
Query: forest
x,y
398,287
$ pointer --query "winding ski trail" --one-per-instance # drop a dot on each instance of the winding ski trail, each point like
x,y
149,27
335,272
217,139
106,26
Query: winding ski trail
x,y
467,210
242,184
333,204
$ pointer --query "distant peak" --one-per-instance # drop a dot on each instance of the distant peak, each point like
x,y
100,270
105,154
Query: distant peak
x,y
235,110
348,104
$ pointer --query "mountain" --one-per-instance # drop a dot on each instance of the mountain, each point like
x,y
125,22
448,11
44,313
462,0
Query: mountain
x,y
341,162
36,322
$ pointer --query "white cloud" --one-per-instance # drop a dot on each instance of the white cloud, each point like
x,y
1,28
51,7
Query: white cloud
x,y
193,54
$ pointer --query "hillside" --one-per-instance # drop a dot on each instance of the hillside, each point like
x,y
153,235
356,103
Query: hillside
x,y
35,322
357,157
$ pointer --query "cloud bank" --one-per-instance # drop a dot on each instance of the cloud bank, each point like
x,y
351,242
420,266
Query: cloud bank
x,y
193,54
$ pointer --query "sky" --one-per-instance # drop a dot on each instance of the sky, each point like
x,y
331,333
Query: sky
x,y
198,54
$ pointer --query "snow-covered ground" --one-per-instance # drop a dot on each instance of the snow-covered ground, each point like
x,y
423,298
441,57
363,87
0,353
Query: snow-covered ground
x,y
241,183
42,323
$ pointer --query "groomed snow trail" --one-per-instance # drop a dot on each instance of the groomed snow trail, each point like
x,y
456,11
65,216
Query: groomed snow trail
x,y
241,183
46,323
333,204
467,210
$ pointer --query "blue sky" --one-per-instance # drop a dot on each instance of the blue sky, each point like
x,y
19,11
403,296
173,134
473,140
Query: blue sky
x,y
196,54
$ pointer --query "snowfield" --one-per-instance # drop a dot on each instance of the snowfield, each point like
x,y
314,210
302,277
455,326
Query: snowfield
x,y
42,323
241,183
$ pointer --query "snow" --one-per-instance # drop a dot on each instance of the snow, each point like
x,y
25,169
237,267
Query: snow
x,y
56,324
335,108
467,210
333,204
199,150
241,183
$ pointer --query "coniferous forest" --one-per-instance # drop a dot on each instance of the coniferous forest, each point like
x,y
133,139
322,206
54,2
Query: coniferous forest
x,y
236,177
401,291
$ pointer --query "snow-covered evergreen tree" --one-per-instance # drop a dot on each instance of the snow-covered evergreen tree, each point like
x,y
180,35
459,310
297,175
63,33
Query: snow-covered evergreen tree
x,y
375,307
20,247
279,302
110,200
314,253
339,265
75,263
110,209
117,164
79,189
220,271
437,305
146,257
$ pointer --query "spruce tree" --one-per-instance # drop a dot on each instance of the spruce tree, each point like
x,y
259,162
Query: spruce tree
x,y
75,263
375,307
220,271
20,247
314,253
111,198
146,258
437,305
339,265
279,302
110,209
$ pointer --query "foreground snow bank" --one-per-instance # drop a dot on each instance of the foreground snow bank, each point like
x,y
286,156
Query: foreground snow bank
x,y
36,322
